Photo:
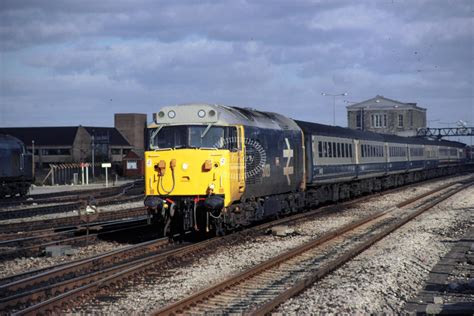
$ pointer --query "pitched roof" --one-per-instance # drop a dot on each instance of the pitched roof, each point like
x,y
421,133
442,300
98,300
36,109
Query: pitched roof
x,y
109,135
64,136
131,155
52,136
381,102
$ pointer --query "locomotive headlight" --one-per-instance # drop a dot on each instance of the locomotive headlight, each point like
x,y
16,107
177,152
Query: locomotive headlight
x,y
201,113
211,186
184,166
171,114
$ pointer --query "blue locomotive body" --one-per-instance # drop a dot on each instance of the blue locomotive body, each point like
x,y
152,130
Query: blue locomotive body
x,y
15,167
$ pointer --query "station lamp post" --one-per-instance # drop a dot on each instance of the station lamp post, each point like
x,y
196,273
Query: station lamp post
x,y
33,159
93,153
334,103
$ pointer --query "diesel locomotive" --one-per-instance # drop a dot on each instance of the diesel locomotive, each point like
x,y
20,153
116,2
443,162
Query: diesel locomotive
x,y
216,167
15,167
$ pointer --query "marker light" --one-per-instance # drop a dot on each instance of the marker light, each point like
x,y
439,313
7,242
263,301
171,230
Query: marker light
x,y
184,166
171,114
201,113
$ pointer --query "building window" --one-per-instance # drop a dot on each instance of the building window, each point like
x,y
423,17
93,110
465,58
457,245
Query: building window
x,y
358,120
400,120
378,120
56,152
115,151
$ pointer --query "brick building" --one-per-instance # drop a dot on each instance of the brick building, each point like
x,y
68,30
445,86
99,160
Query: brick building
x,y
133,127
383,115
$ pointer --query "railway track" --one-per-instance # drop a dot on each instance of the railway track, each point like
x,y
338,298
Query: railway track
x,y
35,245
263,287
63,207
28,226
32,293
133,188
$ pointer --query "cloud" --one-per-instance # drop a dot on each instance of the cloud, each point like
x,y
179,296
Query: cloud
x,y
65,60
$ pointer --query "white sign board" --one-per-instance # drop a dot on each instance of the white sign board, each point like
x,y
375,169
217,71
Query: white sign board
x,y
106,165
132,164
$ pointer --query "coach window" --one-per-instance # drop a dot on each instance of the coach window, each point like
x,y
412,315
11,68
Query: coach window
x,y
320,149
329,149
339,150
325,149
334,150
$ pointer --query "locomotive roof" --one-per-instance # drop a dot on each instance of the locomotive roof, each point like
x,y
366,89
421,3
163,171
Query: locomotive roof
x,y
337,131
8,141
218,114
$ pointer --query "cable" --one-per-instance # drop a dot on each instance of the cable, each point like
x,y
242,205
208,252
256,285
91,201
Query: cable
x,y
160,184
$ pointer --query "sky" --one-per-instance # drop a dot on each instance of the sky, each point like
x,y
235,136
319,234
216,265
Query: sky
x,y
66,63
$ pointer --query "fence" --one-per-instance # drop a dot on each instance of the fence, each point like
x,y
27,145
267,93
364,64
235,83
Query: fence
x,y
71,173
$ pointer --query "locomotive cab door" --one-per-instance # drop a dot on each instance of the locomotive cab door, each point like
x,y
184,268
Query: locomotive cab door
x,y
236,164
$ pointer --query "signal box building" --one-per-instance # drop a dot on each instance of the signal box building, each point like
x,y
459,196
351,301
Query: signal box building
x,y
383,115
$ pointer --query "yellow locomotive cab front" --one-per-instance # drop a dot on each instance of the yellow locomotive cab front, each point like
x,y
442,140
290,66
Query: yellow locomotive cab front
x,y
189,163
194,173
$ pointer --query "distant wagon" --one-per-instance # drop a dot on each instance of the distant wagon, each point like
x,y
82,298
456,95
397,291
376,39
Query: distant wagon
x,y
15,167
